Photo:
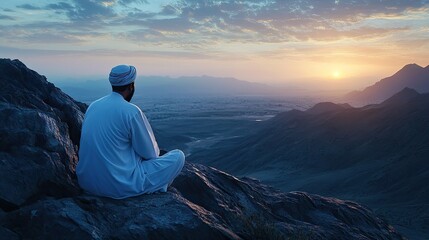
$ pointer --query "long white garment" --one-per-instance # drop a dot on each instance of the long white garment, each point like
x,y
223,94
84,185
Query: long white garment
x,y
118,155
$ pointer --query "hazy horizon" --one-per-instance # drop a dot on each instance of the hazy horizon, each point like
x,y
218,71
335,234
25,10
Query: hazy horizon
x,y
288,89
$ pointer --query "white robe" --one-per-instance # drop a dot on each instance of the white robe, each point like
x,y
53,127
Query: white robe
x,y
118,155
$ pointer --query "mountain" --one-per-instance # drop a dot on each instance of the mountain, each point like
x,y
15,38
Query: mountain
x,y
40,198
376,154
411,76
402,97
326,107
156,86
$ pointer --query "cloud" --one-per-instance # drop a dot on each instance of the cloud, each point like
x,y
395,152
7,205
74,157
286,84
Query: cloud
x,y
195,23
89,11
6,17
333,34
28,7
50,37
102,53
8,10
285,21
61,6
169,10
43,33
180,25
84,11
127,2
267,21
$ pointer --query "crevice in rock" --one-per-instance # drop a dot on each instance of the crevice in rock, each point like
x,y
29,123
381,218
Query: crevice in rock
x,y
48,190
7,206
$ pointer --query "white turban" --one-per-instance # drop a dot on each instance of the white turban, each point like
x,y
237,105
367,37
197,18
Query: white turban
x,y
122,75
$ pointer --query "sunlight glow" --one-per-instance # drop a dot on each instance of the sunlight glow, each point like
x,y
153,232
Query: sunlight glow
x,y
336,74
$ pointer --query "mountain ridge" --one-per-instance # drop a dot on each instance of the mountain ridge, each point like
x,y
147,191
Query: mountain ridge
x,y
325,107
411,75
405,95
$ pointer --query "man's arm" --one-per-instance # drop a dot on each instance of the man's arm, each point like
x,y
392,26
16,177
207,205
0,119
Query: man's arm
x,y
142,137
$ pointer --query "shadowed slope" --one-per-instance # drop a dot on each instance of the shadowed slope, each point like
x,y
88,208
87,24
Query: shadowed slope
x,y
411,76
376,154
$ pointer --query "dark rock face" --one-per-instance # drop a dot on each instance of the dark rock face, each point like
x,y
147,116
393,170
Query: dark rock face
x,y
40,132
39,197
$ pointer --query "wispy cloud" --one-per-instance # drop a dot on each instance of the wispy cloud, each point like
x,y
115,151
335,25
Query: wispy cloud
x,y
85,11
28,7
8,10
255,21
126,2
6,17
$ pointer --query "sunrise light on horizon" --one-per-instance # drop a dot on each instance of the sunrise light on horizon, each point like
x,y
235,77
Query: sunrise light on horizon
x,y
343,43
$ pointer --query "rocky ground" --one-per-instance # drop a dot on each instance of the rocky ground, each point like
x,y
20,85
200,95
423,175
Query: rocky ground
x,y
40,198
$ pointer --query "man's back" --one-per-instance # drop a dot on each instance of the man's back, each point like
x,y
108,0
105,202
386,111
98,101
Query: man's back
x,y
107,153
118,155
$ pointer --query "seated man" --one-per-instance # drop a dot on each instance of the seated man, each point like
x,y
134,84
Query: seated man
x,y
118,155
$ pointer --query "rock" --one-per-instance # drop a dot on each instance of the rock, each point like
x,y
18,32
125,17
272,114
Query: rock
x,y
203,203
39,197
7,234
40,132
158,216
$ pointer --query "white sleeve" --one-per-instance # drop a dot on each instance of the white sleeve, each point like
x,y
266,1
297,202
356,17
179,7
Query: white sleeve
x,y
142,137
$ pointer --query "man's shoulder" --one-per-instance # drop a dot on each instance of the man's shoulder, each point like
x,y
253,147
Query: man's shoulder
x,y
132,108
95,103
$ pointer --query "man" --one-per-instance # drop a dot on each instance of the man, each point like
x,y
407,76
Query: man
x,y
118,155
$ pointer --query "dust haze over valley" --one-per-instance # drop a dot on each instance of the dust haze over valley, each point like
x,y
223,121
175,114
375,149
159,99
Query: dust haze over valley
x,y
197,112
376,154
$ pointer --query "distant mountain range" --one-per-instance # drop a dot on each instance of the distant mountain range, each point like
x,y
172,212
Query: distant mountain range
x,y
411,76
156,86
377,154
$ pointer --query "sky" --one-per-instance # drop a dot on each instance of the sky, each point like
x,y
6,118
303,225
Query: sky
x,y
333,43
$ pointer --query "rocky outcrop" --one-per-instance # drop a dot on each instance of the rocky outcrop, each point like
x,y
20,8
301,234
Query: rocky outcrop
x,y
203,203
39,197
40,131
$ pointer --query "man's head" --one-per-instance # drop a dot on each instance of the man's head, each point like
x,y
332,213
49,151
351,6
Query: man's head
x,y
122,79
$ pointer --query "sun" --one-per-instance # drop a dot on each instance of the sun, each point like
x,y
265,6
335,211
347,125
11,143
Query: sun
x,y
336,74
